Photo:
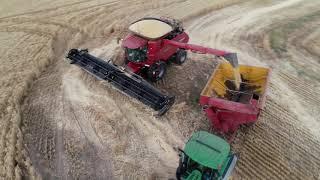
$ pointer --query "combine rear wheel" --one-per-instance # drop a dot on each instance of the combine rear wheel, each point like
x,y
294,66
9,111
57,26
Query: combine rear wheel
x,y
181,56
157,71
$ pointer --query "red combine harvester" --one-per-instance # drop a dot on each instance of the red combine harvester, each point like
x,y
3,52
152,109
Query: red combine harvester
x,y
154,42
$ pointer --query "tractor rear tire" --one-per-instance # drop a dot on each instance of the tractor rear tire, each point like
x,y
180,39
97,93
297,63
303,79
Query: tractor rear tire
x,y
178,173
157,71
181,56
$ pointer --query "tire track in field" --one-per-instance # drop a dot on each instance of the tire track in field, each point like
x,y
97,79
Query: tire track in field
x,y
304,90
48,10
297,155
89,134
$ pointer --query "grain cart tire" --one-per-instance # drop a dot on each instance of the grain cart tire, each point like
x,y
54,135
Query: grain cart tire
x,y
157,71
181,56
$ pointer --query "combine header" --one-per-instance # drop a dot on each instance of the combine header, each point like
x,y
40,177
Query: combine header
x,y
129,83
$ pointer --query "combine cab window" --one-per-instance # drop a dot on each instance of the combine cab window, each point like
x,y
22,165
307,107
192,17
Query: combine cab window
x,y
137,55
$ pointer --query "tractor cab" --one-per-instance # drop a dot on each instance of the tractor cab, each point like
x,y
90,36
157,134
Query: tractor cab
x,y
205,157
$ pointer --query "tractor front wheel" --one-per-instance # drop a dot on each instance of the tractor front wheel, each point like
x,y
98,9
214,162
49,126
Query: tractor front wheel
x,y
181,56
157,71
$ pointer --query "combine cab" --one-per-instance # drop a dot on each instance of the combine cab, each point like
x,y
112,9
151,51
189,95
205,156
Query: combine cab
x,y
228,108
205,157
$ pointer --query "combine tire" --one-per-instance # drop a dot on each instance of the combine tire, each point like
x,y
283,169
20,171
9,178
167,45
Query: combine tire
x,y
157,71
181,57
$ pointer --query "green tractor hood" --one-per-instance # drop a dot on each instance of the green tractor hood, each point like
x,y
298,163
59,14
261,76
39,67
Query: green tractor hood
x,y
207,149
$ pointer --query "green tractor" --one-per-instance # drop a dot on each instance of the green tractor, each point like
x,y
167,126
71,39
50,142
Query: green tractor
x,y
205,157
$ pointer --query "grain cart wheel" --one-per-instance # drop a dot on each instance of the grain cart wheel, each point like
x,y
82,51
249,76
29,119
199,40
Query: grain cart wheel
x,y
157,71
181,56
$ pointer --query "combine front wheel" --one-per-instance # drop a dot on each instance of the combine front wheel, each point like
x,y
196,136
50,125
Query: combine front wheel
x,y
157,71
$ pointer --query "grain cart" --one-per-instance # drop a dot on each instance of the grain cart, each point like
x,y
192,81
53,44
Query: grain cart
x,y
228,108
205,157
